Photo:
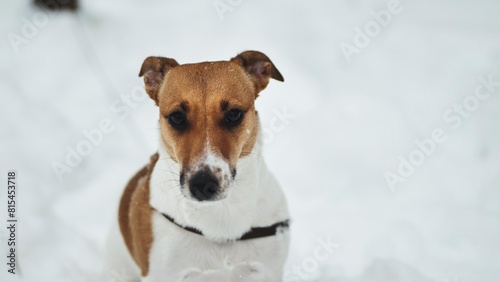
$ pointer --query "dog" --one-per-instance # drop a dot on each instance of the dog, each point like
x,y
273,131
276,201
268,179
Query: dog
x,y
205,208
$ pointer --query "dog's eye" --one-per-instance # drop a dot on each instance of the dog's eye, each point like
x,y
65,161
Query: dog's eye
x,y
177,120
233,117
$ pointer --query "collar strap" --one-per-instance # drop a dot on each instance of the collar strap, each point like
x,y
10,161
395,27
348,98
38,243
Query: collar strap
x,y
253,233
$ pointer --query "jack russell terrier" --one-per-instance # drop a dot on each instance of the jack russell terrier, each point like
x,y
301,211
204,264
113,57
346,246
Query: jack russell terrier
x,y
205,208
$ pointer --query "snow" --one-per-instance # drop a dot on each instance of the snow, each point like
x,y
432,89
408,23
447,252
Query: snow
x,y
347,125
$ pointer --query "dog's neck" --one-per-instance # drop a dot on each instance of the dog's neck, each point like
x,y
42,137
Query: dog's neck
x,y
246,205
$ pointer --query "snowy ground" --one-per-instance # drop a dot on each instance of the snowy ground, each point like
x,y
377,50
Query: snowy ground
x,y
353,117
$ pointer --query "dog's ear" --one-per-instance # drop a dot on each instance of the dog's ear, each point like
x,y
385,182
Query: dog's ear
x,y
154,69
259,67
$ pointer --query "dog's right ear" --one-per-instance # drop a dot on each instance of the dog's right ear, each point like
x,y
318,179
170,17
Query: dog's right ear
x,y
154,69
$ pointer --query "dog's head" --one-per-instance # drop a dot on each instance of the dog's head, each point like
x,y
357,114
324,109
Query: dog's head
x,y
207,116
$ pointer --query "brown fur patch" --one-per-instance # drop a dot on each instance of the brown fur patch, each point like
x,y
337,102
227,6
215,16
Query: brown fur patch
x,y
135,215
208,90
203,93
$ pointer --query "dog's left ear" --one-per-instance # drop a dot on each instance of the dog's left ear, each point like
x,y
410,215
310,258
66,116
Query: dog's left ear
x,y
154,69
259,67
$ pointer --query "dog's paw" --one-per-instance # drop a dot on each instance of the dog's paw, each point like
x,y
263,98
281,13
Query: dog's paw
x,y
196,275
249,272
244,272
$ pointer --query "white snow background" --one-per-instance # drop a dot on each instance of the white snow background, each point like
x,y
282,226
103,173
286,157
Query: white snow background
x,y
352,122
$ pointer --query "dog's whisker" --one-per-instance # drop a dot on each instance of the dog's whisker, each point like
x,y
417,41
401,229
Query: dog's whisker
x,y
168,180
179,197
171,171
165,158
175,174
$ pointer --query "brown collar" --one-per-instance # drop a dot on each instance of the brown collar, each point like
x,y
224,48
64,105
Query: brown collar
x,y
253,233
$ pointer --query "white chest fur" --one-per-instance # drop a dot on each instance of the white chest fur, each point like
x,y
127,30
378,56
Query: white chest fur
x,y
254,200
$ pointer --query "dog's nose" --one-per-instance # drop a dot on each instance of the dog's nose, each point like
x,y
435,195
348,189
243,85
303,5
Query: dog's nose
x,y
203,186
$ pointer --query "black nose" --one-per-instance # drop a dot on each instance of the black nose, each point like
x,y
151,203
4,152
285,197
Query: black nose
x,y
203,186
